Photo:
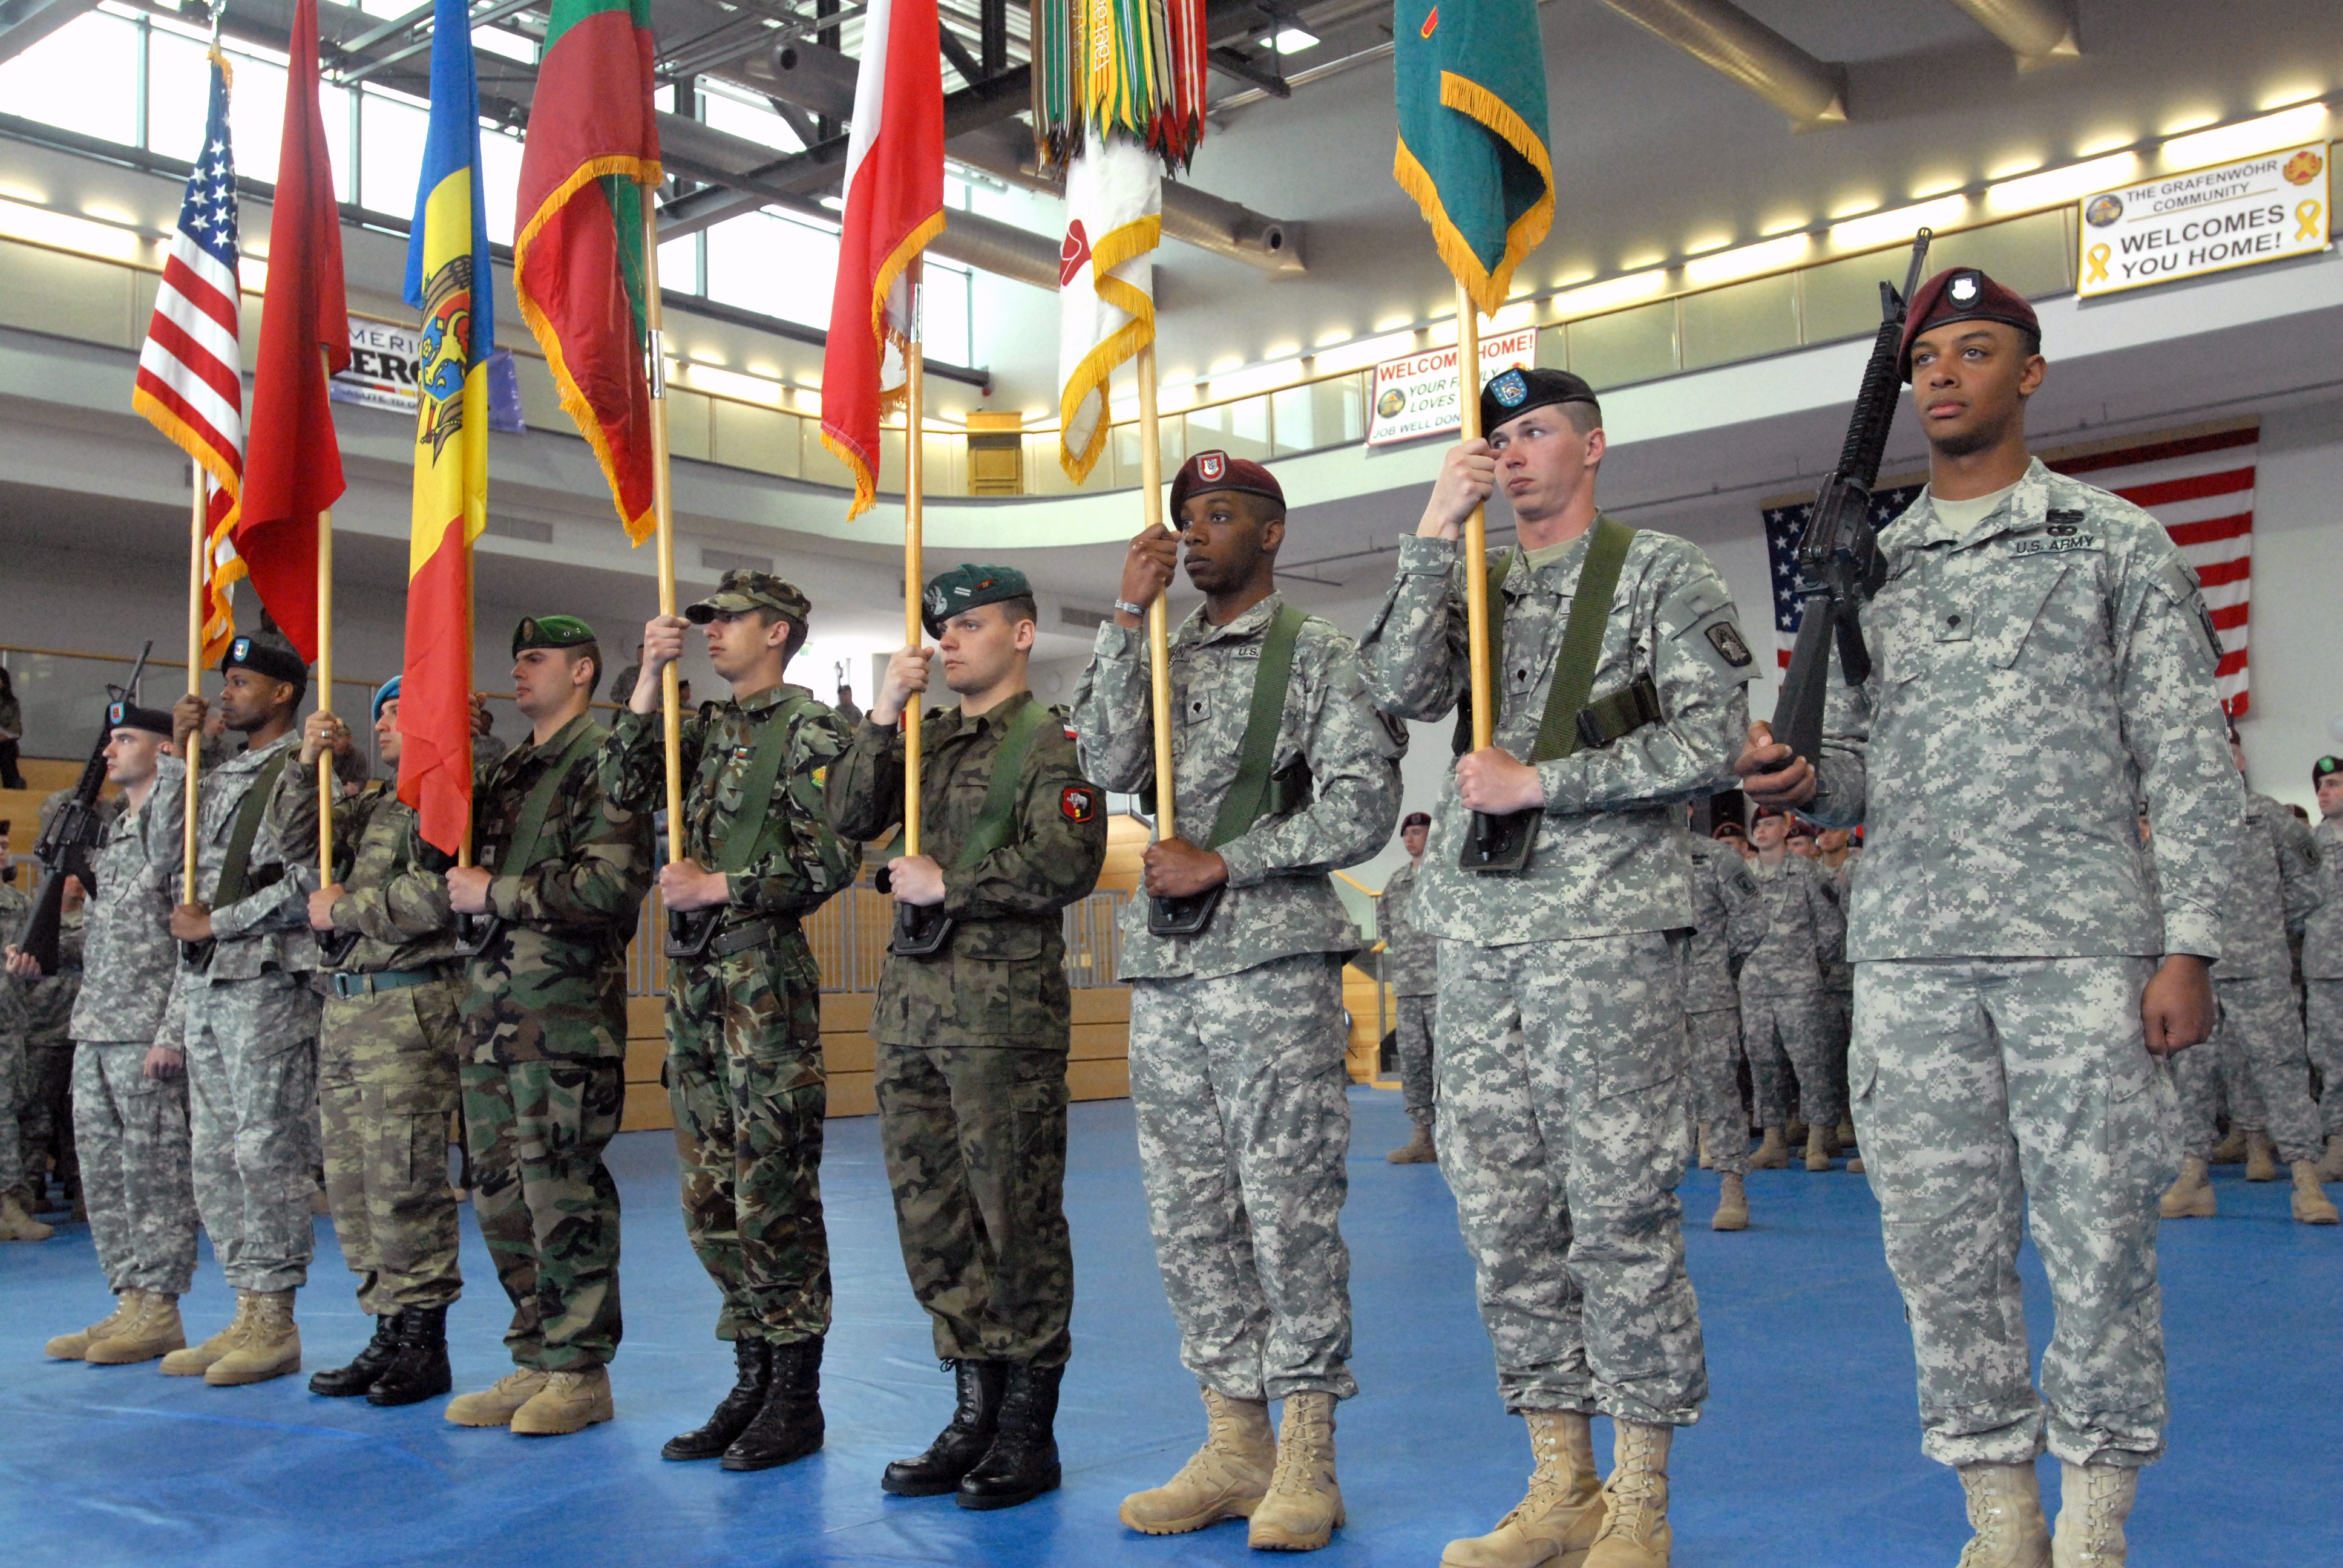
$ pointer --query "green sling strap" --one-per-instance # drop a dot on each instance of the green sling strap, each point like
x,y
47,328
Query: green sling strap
x,y
998,823
1560,729
1248,795
236,867
747,826
522,852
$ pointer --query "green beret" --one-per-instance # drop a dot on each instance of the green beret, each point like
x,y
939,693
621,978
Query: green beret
x,y
745,591
967,586
267,653
550,631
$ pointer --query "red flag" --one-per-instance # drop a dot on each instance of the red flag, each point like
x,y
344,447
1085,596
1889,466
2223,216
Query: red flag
x,y
894,206
293,463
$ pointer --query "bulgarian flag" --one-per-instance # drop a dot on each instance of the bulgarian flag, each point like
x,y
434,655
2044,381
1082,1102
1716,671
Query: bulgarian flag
x,y
894,206
447,279
579,266
1473,133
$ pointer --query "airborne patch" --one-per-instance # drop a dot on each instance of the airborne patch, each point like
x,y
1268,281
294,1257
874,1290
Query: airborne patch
x,y
1726,637
1078,803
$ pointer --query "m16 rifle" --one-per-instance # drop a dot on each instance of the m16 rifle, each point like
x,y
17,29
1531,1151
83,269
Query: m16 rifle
x,y
69,843
1839,564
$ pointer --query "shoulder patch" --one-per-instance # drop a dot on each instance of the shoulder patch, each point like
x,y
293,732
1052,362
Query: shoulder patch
x,y
1726,637
1078,803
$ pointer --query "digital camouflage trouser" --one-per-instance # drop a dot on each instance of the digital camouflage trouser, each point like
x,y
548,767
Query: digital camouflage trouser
x,y
45,1116
746,1080
12,1086
2323,1009
1995,1098
252,1094
546,1206
1786,1035
1412,1044
1565,1128
1241,1093
135,1182
385,1092
975,1136
2257,1055
1717,1088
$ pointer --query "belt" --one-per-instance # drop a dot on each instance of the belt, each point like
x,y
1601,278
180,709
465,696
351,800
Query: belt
x,y
351,985
762,932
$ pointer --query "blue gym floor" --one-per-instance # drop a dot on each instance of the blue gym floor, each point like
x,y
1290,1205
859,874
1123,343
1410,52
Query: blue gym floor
x,y
1808,1453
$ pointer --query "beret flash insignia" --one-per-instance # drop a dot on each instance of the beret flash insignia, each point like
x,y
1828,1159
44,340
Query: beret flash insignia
x,y
1510,388
1213,465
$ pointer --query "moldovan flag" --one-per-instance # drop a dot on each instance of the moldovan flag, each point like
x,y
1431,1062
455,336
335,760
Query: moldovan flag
x,y
894,206
1106,285
448,278
579,266
1471,76
293,463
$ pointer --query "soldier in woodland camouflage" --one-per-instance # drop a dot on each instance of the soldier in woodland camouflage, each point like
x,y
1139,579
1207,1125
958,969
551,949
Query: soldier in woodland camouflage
x,y
1237,1036
1783,1011
1564,1060
544,1022
2273,891
972,1037
17,1222
1409,961
251,1012
744,1065
1729,924
2322,962
2041,660
45,1095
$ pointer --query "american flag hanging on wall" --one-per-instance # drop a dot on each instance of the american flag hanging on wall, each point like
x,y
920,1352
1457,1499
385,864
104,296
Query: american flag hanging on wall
x,y
2199,485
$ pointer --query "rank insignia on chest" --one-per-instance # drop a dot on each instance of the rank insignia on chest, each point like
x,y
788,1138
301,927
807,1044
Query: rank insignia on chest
x,y
1726,637
743,753
1078,803
822,776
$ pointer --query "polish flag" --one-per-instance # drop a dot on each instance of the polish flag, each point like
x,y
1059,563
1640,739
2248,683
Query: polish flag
x,y
894,206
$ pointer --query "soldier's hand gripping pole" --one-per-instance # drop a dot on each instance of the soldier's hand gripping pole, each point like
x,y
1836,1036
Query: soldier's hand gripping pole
x,y
196,542
920,930
1492,844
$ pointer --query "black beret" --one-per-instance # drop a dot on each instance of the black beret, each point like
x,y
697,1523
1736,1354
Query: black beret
x,y
1962,293
2324,767
130,716
1514,391
267,653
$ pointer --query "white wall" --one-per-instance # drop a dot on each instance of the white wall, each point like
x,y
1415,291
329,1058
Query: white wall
x,y
2296,716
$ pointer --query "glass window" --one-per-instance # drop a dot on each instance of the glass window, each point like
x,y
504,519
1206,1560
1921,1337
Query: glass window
x,y
774,265
757,124
82,77
178,95
256,119
511,45
679,264
499,182
1741,321
391,133
944,313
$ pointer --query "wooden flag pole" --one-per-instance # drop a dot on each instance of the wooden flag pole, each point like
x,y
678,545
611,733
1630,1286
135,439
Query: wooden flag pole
x,y
663,518
198,541
326,671
1159,615
915,474
1475,548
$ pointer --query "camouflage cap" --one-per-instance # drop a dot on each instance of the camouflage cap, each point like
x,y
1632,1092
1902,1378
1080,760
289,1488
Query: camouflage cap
x,y
2326,768
550,631
742,589
967,586
267,653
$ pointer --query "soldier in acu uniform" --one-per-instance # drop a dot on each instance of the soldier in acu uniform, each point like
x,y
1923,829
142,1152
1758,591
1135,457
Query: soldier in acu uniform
x,y
1728,922
18,1179
2040,659
2322,962
744,1065
972,1036
1784,1024
2259,1042
1237,1032
1409,955
251,1012
389,1046
45,1104
553,899
1566,1064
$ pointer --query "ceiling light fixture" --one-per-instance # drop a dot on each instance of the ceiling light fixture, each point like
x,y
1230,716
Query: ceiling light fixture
x,y
2054,187
2304,123
1749,260
1898,225
1292,40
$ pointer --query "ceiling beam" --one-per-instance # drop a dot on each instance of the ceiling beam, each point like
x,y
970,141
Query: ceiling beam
x,y
1727,39
2036,31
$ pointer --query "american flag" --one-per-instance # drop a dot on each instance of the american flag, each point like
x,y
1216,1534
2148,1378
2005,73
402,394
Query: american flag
x,y
2199,486
191,368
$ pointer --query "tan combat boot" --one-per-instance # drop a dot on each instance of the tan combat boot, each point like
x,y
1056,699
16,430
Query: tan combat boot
x,y
271,1346
2261,1157
17,1225
154,1330
1732,1203
1304,1506
1846,1132
1819,1151
569,1402
2190,1197
72,1347
1706,1162
1417,1150
1552,1526
1773,1154
2311,1206
1225,1479
2006,1512
2231,1150
195,1361
495,1405
2331,1168
2094,1500
1636,1532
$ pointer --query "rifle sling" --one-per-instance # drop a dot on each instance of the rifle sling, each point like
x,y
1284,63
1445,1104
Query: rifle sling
x,y
747,826
998,824
1569,721
236,869
1248,795
528,833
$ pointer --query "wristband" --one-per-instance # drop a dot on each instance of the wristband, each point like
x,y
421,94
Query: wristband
x,y
1125,607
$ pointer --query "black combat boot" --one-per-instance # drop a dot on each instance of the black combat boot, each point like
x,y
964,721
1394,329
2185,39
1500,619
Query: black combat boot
x,y
958,1447
344,1382
1022,1463
754,1359
418,1368
787,1426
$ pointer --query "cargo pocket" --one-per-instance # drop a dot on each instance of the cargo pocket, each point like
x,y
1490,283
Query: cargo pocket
x,y
997,982
1657,1048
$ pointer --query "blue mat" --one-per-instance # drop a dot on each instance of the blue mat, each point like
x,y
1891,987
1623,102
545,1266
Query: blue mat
x,y
1808,1453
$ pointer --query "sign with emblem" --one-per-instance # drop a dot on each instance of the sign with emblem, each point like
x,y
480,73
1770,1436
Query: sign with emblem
x,y
1416,396
387,369
2271,207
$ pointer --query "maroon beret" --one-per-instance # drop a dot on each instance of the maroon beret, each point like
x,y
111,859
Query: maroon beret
x,y
1207,471
1962,294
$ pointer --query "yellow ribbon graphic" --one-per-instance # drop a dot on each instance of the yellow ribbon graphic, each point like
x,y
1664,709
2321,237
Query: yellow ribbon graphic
x,y
2306,215
2097,256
